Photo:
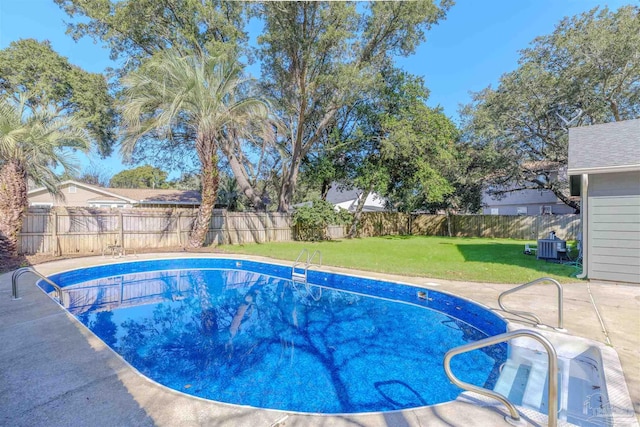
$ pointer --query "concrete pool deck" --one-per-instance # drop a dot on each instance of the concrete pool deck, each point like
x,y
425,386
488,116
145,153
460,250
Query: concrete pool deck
x,y
54,372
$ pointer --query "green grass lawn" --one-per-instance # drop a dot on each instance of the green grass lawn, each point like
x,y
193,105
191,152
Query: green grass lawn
x,y
465,259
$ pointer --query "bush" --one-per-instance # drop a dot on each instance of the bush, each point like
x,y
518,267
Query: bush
x,y
310,222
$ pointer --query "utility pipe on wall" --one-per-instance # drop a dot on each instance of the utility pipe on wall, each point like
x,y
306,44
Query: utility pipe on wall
x,y
584,222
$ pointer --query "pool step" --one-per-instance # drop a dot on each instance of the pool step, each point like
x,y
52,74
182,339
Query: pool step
x,y
512,381
524,381
536,394
297,276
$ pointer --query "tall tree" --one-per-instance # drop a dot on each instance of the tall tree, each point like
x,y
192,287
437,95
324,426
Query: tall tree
x,y
317,57
195,102
586,72
141,177
137,29
401,148
32,145
34,68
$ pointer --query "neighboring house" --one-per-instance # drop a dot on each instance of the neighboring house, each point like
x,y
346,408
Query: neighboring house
x,y
604,166
348,199
528,202
79,194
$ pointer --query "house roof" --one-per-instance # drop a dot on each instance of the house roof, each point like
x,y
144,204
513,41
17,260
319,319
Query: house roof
x,y
135,195
159,196
609,147
338,194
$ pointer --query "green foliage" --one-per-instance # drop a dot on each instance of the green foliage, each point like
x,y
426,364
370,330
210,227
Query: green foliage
x,y
33,142
34,68
586,72
195,103
229,195
40,140
311,222
401,148
420,147
141,177
136,29
320,57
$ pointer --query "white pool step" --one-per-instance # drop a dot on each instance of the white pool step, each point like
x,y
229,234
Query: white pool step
x,y
512,381
524,381
535,394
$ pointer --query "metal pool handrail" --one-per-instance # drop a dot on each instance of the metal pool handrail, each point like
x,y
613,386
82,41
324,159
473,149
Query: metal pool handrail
x,y
527,315
308,263
19,272
297,262
552,398
310,260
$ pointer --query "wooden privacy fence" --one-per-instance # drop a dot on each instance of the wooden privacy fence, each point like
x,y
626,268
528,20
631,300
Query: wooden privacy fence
x,y
90,230
567,227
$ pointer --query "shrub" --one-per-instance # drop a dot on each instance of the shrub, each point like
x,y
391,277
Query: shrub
x,y
310,222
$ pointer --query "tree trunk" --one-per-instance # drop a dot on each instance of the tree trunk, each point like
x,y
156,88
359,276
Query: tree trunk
x,y
13,206
289,185
210,181
243,181
358,213
324,190
241,176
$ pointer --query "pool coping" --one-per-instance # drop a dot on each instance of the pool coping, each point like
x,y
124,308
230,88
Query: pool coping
x,y
445,413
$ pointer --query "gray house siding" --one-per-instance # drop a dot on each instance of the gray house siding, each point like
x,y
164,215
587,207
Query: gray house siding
x,y
532,200
614,227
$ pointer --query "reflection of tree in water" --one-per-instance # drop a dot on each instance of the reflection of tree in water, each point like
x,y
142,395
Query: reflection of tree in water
x,y
255,338
496,352
102,325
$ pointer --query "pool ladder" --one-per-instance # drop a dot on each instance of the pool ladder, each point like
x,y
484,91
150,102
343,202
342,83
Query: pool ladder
x,y
19,272
300,267
514,417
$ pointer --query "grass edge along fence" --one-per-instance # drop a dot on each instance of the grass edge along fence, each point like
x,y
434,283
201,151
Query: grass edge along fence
x,y
80,230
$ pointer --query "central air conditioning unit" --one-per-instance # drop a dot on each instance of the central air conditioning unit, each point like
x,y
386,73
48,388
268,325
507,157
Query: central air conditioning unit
x,y
551,248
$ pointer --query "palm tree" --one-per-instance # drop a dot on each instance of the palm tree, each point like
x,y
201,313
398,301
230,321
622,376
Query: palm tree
x,y
195,101
32,145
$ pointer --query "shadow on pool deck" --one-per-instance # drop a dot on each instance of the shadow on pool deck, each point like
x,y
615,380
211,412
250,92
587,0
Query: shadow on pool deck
x,y
50,372
54,372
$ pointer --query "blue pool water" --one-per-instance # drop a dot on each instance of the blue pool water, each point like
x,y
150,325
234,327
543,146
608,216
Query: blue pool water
x,y
240,332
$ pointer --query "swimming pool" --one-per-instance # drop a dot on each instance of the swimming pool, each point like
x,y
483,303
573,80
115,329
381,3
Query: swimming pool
x,y
241,332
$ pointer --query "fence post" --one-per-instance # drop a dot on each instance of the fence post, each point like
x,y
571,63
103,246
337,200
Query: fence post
x,y
54,233
121,228
179,228
226,232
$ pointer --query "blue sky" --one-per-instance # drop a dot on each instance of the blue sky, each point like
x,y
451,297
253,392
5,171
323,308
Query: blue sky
x,y
477,43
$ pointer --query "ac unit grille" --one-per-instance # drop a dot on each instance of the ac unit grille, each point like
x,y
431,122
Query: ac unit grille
x,y
550,248
547,249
